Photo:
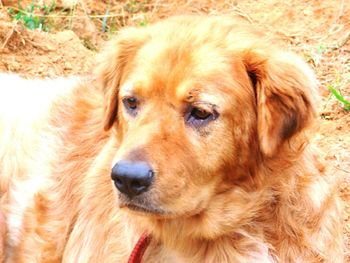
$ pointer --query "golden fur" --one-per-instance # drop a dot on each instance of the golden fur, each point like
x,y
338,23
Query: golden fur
x,y
245,187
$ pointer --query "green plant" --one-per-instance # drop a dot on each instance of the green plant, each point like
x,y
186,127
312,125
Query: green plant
x,y
87,43
336,93
113,26
105,18
143,22
315,56
33,16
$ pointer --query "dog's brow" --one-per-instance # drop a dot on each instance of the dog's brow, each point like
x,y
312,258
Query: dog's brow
x,y
205,103
187,92
127,88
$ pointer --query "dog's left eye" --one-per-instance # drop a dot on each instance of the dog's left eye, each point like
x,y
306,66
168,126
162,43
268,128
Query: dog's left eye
x,y
200,114
131,104
198,117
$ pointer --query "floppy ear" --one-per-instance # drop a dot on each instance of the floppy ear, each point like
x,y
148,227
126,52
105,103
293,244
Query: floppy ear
x,y
111,66
285,88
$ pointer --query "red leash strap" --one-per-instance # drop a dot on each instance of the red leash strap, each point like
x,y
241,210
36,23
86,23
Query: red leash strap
x,y
139,249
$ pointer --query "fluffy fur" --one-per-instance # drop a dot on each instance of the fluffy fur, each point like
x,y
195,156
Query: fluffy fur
x,y
244,187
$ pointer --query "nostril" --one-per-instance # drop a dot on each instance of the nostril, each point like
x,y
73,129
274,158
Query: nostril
x,y
150,174
118,181
136,184
138,187
143,182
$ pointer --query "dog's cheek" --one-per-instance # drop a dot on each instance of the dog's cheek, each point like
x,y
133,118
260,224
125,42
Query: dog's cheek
x,y
123,131
190,180
235,145
183,182
185,197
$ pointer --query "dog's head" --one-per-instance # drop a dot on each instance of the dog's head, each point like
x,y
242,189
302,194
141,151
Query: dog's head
x,y
197,104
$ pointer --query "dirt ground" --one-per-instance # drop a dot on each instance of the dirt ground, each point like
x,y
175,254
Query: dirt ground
x,y
318,30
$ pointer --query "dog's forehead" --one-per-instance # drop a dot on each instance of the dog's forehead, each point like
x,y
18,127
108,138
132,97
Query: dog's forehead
x,y
158,65
170,67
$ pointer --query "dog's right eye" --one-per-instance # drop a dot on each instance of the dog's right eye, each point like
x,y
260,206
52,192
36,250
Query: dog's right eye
x,y
131,104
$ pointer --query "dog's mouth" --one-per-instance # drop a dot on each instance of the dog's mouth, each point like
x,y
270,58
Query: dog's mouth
x,y
142,209
155,212
148,207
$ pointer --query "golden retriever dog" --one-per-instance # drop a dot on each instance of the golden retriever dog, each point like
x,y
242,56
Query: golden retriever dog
x,y
190,143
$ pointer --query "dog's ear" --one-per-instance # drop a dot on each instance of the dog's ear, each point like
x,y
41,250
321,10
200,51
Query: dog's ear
x,y
111,66
285,89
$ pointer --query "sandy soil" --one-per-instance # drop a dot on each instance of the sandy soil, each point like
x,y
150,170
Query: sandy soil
x,y
317,30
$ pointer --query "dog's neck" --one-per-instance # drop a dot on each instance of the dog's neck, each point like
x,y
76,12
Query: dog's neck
x,y
240,245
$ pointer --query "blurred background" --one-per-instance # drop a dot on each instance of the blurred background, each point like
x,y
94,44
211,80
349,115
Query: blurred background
x,y
49,38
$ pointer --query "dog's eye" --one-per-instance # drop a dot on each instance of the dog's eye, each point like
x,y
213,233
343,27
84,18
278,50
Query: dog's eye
x,y
130,104
200,114
198,117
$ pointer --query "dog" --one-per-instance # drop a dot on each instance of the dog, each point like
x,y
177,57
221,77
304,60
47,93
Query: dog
x,y
189,143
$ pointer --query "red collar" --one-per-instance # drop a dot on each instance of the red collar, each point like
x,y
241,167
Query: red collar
x,y
139,249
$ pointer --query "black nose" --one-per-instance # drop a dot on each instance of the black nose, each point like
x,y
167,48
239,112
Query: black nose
x,y
132,178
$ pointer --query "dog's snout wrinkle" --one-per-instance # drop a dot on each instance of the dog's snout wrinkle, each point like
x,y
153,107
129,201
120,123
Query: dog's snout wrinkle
x,y
132,178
